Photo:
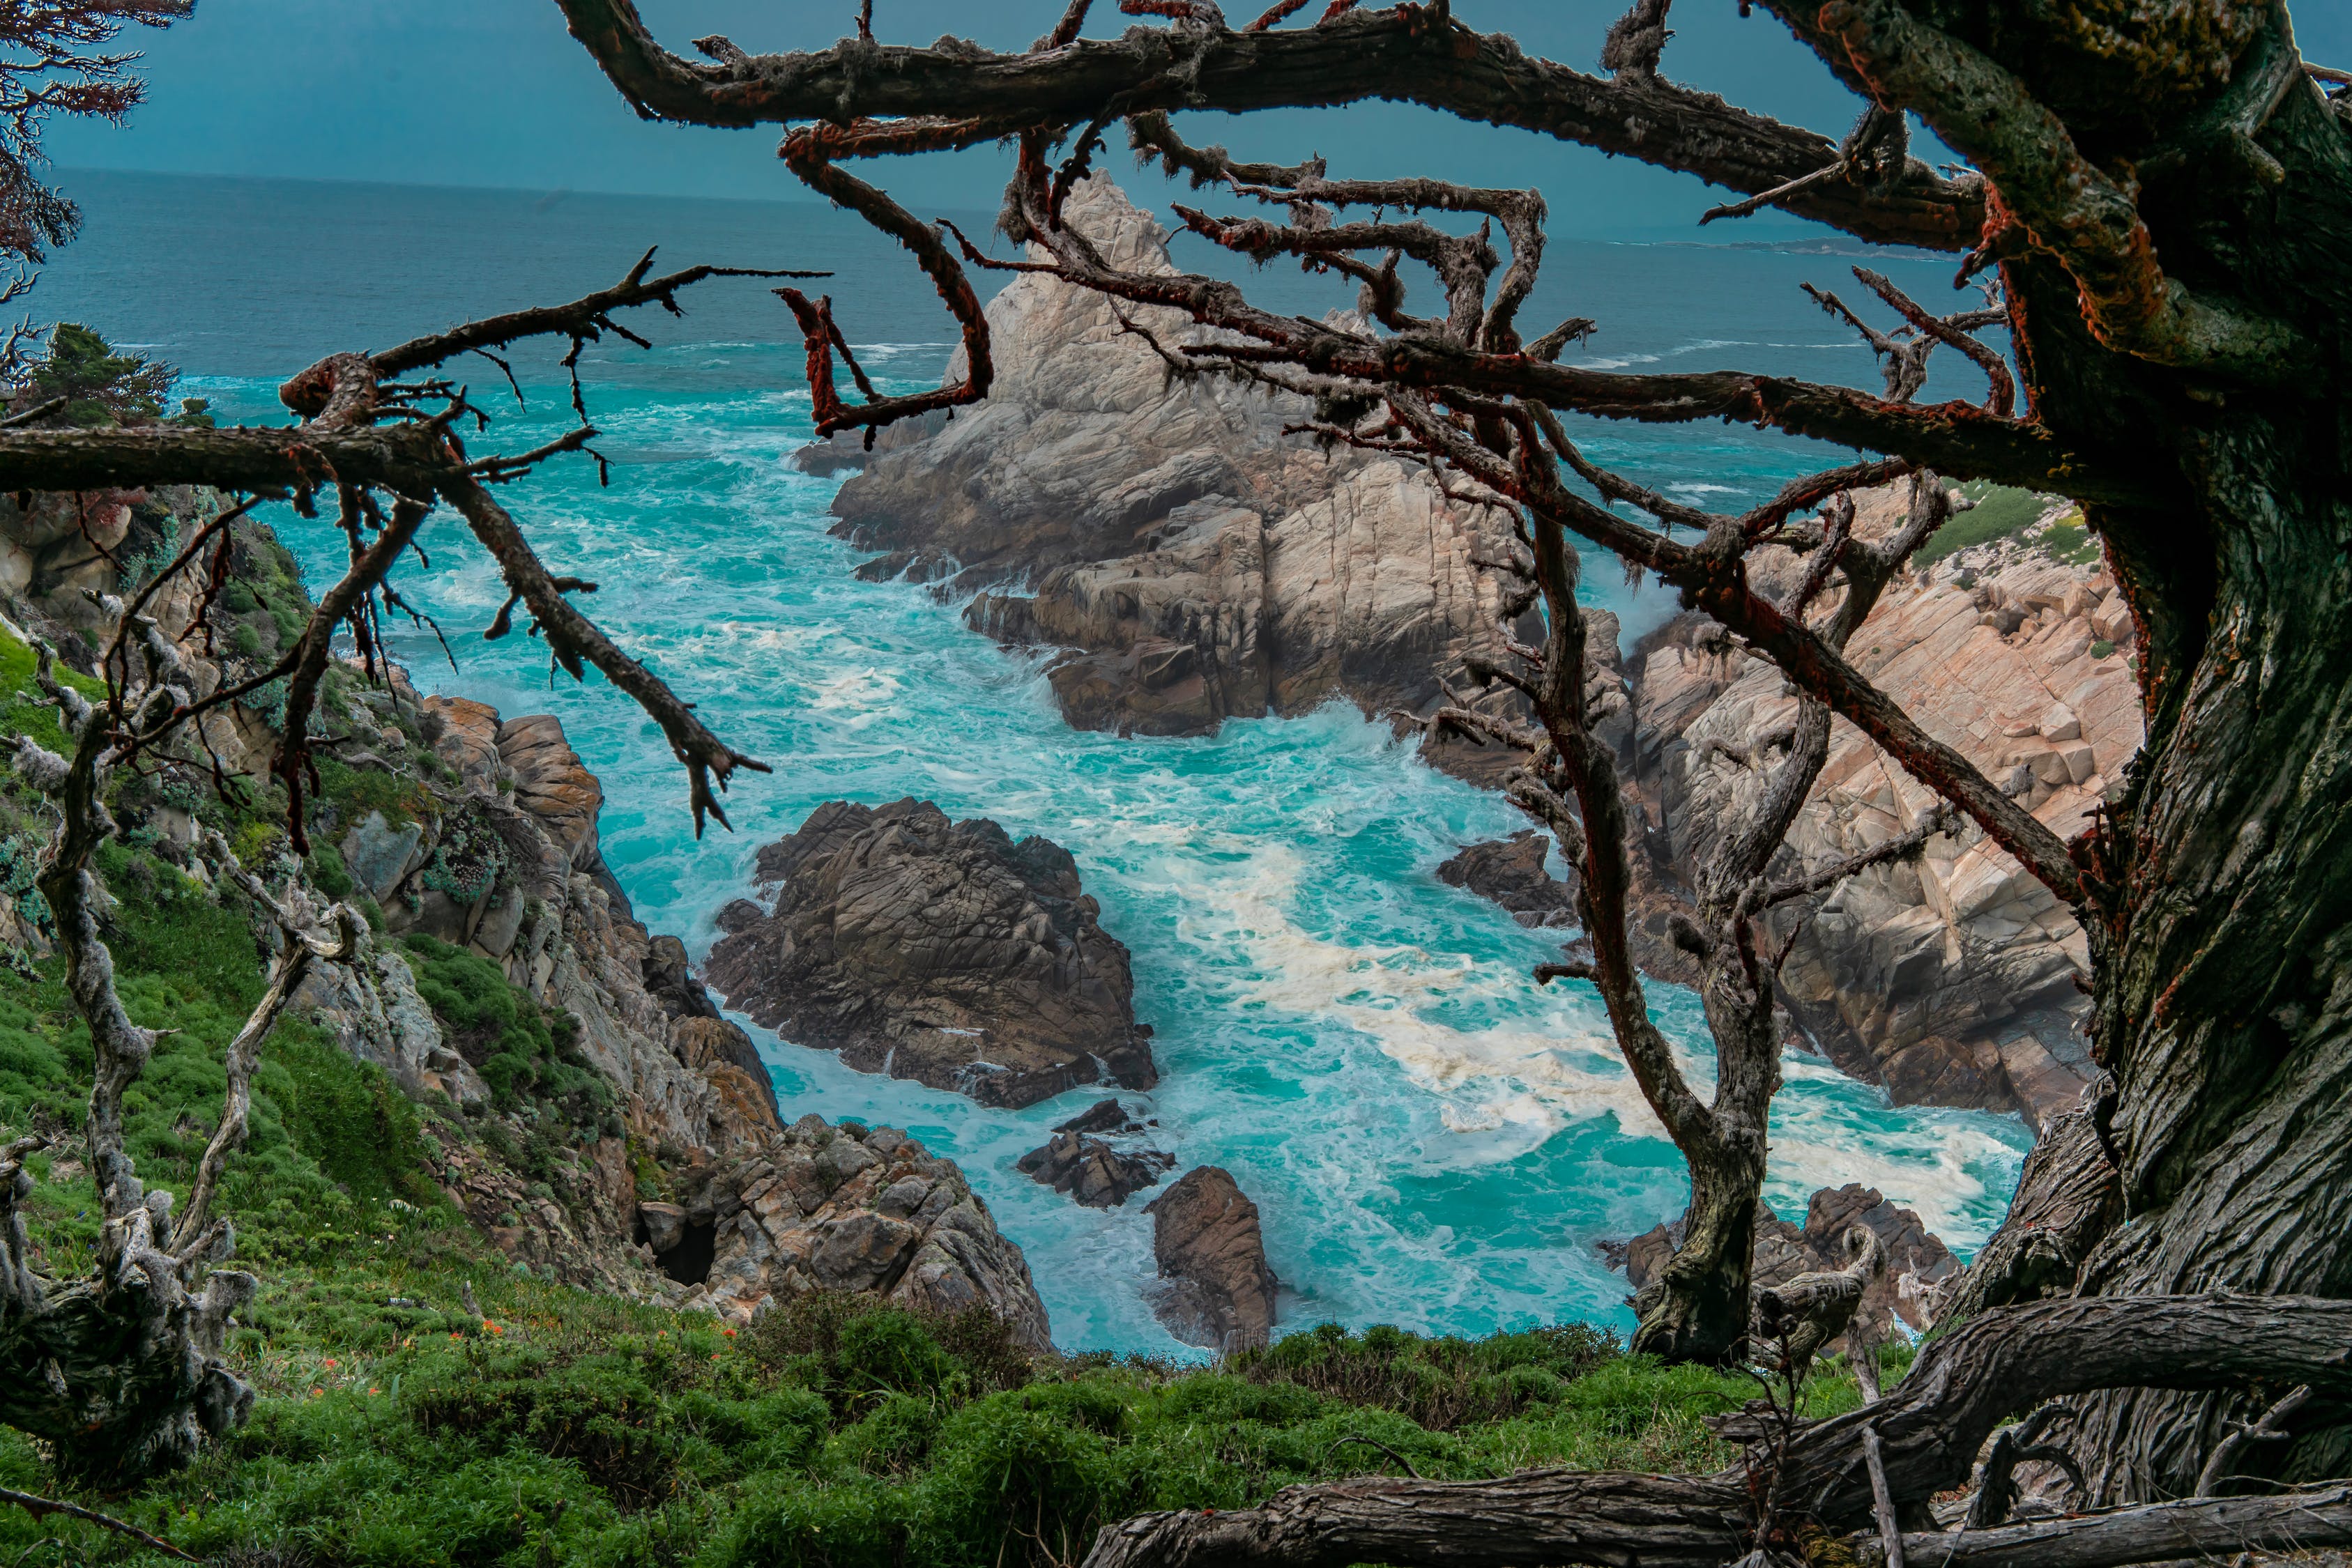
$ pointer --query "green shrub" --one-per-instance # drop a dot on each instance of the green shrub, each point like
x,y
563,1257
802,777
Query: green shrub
x,y
2000,512
521,1051
348,1117
1441,1383
327,872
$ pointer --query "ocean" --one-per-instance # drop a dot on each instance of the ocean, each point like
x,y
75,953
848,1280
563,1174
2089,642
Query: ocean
x,y
1432,1141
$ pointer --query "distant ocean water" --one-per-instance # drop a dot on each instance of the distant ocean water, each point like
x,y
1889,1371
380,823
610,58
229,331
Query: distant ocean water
x,y
1432,1141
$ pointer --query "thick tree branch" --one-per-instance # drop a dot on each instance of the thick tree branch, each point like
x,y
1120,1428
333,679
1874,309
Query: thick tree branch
x,y
1929,1428
2208,1529
1405,53
2069,206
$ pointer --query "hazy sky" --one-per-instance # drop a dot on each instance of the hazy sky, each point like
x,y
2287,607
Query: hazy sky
x,y
495,92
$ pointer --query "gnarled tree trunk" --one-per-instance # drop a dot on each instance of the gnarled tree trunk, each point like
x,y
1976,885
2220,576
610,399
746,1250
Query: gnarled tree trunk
x,y
2224,989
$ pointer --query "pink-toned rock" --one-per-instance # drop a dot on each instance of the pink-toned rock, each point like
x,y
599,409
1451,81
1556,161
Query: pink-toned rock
x,y
1952,980
552,783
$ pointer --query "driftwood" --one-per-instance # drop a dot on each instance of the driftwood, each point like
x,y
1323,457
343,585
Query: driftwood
x,y
2210,1528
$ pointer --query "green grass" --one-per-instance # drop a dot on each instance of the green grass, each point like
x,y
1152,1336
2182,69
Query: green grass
x,y
523,1052
2000,513
574,1429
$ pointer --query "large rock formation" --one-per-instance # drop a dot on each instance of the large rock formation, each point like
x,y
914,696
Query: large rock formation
x,y
938,951
1203,564
843,1208
1959,979
1217,1290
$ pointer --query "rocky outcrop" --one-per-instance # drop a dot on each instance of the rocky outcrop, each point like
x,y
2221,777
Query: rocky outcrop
x,y
939,951
842,1208
1917,1263
371,1007
1200,563
1511,871
1091,1169
1217,1290
489,843
1955,980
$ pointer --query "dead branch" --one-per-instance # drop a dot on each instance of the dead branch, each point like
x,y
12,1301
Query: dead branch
x,y
2211,1529
1882,1499
572,638
809,154
584,319
41,1506
2264,1428
308,934
1390,53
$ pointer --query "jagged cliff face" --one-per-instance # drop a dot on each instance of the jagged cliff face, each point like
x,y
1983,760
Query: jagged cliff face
x,y
703,1197
1958,980
1201,563
483,870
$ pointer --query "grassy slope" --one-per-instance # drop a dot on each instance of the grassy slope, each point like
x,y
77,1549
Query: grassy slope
x,y
562,1428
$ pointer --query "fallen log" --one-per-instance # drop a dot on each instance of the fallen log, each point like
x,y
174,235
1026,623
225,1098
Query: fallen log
x,y
1930,1429
2203,1527
1537,1516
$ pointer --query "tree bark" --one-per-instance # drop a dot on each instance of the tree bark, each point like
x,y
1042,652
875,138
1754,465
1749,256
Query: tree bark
x,y
2210,1528
2223,986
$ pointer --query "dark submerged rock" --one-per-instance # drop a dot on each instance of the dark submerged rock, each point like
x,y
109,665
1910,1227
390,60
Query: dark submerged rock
x,y
1511,873
939,951
1092,1171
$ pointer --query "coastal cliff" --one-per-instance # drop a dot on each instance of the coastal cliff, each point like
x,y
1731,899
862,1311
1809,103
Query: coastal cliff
x,y
576,1094
704,1196
1195,563
1958,980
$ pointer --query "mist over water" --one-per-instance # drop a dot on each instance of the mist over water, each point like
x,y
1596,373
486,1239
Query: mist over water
x,y
1432,1139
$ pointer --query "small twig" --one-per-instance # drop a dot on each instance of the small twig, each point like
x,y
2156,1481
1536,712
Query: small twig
x,y
34,414
1369,1443
2263,1430
38,1507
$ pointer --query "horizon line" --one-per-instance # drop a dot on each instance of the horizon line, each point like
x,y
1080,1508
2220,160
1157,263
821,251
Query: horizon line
x,y
1775,232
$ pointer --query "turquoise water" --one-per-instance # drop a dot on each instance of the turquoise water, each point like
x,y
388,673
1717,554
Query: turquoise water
x,y
1433,1140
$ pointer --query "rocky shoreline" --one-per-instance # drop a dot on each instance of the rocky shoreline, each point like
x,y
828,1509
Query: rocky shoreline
x,y
586,1106
1193,563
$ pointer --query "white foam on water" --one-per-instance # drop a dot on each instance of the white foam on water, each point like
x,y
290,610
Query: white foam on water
x,y
1432,1139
